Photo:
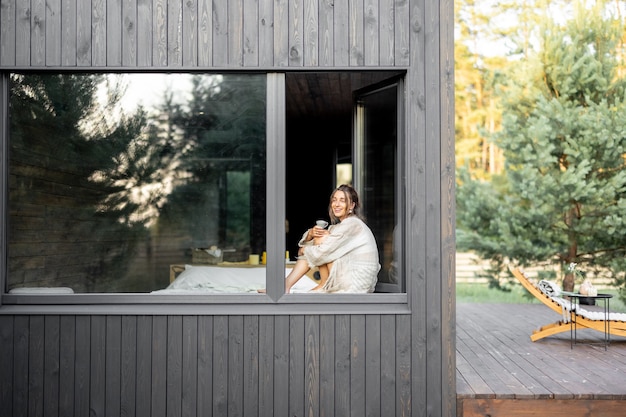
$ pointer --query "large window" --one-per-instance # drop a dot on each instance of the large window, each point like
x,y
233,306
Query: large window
x,y
123,183
117,179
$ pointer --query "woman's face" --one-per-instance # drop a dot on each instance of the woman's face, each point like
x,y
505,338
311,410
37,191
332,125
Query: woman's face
x,y
340,205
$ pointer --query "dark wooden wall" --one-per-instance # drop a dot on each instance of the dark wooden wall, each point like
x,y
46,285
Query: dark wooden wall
x,y
102,362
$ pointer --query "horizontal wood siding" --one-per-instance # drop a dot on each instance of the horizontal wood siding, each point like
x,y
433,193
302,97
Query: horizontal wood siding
x,y
203,33
202,366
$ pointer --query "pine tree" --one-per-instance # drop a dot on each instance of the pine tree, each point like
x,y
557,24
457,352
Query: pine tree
x,y
562,198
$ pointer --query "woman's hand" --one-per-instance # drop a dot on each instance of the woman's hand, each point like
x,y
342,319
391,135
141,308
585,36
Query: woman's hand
x,y
317,232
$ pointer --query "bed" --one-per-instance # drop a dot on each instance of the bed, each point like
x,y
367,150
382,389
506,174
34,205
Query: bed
x,y
193,279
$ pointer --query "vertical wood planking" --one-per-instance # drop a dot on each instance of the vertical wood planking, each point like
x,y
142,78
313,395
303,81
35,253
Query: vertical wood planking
x,y
97,362
310,33
129,368
38,33
266,366
159,33
250,366
83,33
174,41
296,366
251,33
82,366
296,29
356,32
235,366
67,365
373,358
190,33
98,33
143,401
220,366
51,365
8,31
266,33
342,365
220,33
386,28
22,33
144,33
402,27
20,368
158,395
114,32
205,33
35,374
281,33
53,34
281,366
7,341
405,369
235,33
326,33
174,361
312,366
341,33
327,365
388,365
205,366
129,33
69,32
113,364
357,365
190,366
371,30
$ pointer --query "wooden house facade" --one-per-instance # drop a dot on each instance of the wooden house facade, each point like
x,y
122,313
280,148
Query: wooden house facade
x,y
128,354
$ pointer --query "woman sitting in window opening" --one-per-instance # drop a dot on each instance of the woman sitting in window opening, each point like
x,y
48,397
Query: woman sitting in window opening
x,y
346,254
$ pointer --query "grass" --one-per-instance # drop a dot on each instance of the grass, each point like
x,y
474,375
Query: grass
x,y
482,294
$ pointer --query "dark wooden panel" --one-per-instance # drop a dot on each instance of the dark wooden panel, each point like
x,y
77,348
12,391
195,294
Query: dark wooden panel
x,y
327,365
312,366
113,363
235,366
36,354
144,367
6,365
296,366
388,364
220,365
281,366
98,372
20,368
158,396
342,365
357,365
373,359
129,368
174,366
189,389
82,366
205,366
266,366
250,366
51,365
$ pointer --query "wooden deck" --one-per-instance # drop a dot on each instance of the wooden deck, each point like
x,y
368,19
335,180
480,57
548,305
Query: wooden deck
x,y
500,372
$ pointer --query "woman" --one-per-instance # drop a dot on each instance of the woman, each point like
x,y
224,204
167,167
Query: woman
x,y
346,253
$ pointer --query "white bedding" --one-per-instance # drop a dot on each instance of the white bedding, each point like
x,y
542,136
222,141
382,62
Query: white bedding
x,y
215,279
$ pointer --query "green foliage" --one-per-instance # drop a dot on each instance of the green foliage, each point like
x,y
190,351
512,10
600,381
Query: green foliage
x,y
562,198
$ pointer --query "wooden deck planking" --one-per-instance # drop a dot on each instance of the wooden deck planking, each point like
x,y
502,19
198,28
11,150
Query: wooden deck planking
x,y
497,359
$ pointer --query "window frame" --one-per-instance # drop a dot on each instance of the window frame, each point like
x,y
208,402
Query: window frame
x,y
275,301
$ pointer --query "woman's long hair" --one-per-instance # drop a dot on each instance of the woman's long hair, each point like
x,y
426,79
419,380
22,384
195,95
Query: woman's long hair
x,y
352,197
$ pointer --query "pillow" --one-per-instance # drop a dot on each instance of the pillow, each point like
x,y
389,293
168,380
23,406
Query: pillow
x,y
549,288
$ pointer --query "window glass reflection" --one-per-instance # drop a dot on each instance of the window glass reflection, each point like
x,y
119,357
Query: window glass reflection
x,y
115,178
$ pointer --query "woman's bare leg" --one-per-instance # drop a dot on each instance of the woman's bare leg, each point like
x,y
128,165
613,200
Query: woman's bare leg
x,y
324,273
299,270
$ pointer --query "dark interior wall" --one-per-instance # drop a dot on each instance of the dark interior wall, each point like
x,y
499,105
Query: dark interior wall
x,y
312,145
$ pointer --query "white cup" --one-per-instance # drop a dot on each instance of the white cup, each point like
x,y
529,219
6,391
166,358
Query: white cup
x,y
321,223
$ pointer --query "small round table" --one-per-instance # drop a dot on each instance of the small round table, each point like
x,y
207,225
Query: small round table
x,y
605,298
